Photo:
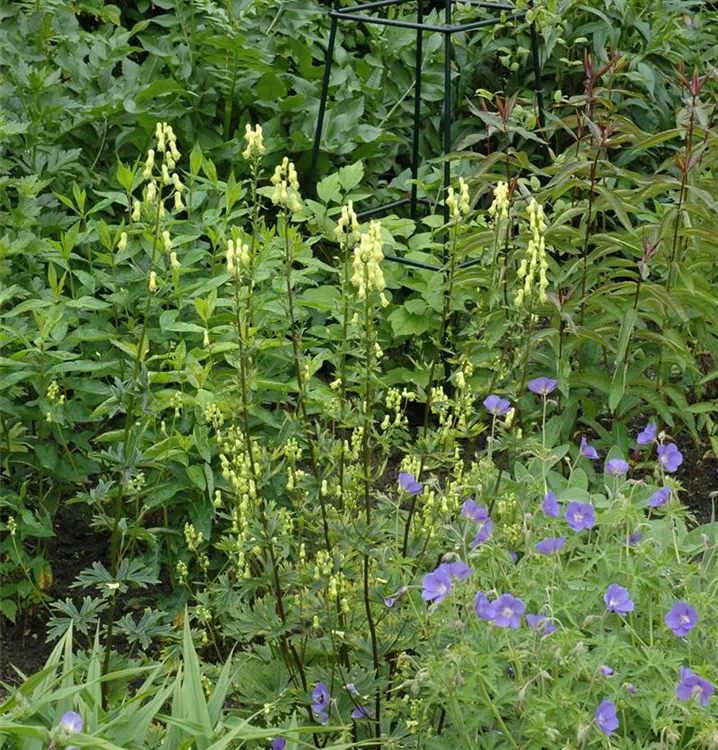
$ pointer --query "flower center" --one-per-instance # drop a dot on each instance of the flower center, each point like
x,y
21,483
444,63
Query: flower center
x,y
579,517
507,612
685,620
442,588
613,602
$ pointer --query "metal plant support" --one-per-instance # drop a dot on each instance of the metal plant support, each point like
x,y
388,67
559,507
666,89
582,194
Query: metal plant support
x,y
360,14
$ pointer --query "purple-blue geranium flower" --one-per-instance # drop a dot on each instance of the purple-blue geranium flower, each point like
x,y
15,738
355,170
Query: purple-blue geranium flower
x,y
508,610
635,538
580,516
496,405
616,467
630,687
359,712
681,619
543,386
606,670
484,532
618,600
606,717
436,585
471,509
647,435
458,570
692,685
71,722
279,743
540,622
410,484
551,544
390,601
320,696
483,607
669,456
587,450
550,505
514,557
659,497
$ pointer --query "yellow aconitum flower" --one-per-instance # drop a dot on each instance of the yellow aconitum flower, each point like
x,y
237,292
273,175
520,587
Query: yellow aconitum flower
x,y
532,269
349,223
499,209
367,257
255,142
286,186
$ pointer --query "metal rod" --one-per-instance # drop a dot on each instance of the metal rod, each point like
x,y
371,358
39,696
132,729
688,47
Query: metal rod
x,y
389,22
381,209
469,263
472,25
373,6
323,102
537,73
413,263
447,111
489,6
417,108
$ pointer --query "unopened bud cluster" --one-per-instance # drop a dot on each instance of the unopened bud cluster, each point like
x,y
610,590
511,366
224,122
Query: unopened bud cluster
x,y
237,257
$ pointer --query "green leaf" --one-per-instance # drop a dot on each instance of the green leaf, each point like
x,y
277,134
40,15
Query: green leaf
x,y
193,693
351,175
404,323
328,189
196,476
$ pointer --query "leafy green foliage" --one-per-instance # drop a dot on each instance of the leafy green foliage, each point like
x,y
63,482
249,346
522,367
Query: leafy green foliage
x,y
221,375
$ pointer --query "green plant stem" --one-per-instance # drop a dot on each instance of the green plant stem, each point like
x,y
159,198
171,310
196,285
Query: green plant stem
x,y
366,460
430,384
301,401
587,233
117,514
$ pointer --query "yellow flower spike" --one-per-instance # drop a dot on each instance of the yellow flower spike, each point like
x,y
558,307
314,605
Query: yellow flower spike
x,y
255,142
533,267
499,209
153,282
464,202
149,164
230,257
286,186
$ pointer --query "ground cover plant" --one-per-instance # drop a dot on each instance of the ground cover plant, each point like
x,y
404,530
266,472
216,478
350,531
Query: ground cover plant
x,y
326,500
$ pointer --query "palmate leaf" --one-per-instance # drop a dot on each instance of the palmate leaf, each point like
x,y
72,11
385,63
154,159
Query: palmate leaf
x,y
131,573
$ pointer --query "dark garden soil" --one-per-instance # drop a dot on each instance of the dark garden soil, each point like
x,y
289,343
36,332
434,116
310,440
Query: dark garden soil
x,y
76,547
699,476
